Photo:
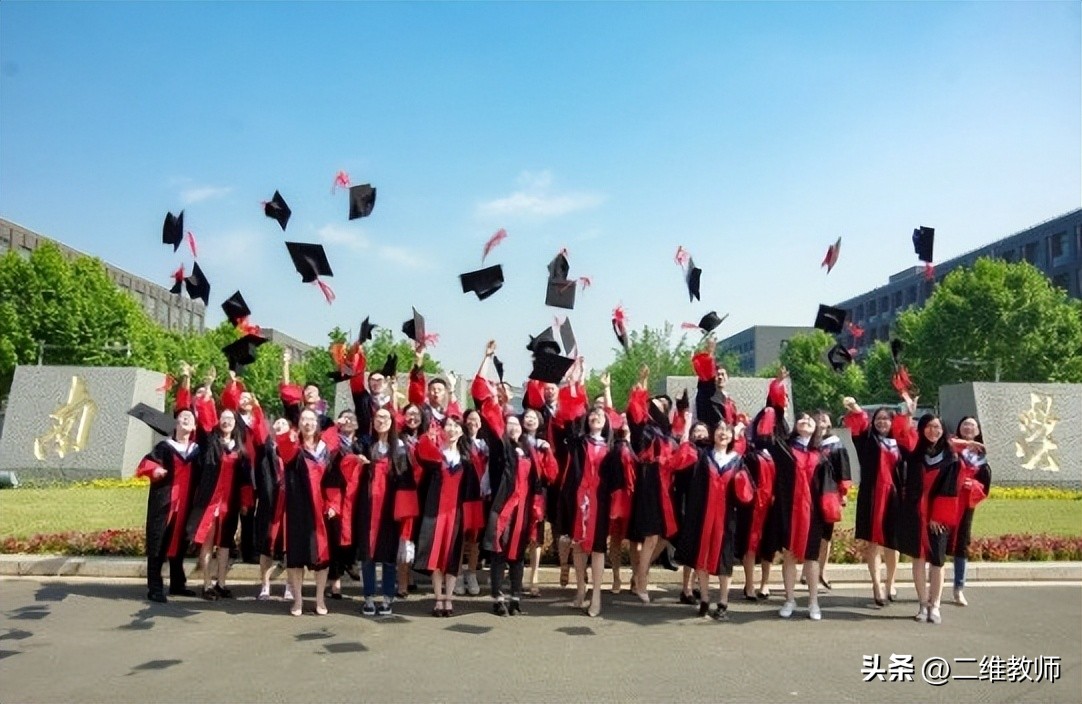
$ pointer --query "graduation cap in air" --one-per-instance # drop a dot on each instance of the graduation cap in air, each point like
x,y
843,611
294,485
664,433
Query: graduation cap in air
x,y
277,209
839,357
197,285
830,320
831,257
414,328
550,367
619,326
366,331
158,421
544,343
390,366
896,347
692,276
483,282
560,294
310,260
235,308
173,230
241,352
559,267
499,366
567,338
683,402
362,199
178,280
344,373
923,242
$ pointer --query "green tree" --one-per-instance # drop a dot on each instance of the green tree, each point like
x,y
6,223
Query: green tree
x,y
652,347
878,370
815,384
993,321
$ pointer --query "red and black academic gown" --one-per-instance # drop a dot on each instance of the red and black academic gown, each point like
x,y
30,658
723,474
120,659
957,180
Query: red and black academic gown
x,y
170,497
270,502
340,485
837,456
711,403
452,505
515,506
974,484
930,489
719,482
620,507
418,395
751,517
292,397
880,472
306,541
585,497
479,461
224,489
796,519
386,504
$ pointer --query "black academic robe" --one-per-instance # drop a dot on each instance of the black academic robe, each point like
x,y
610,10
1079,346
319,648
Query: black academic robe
x,y
975,467
795,521
653,504
929,493
170,498
306,539
880,475
270,500
751,517
718,484
518,472
224,486
451,505
387,498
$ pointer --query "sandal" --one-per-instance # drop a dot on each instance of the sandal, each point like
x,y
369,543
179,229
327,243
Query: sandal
x,y
437,610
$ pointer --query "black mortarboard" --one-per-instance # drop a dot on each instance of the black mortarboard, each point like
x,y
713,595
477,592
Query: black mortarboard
x,y
173,230
345,373
567,338
560,294
711,321
692,276
158,421
839,357
414,328
923,240
543,343
830,320
483,282
499,366
896,347
197,285
241,352
361,201
310,260
683,402
621,334
390,366
235,308
549,367
366,331
276,208
559,267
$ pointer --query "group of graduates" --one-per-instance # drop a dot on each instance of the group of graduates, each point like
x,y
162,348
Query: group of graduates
x,y
428,487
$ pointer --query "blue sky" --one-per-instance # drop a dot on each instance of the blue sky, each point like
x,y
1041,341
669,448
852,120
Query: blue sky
x,y
752,134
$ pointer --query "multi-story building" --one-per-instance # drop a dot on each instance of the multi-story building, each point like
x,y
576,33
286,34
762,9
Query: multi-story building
x,y
175,312
287,342
1053,246
759,346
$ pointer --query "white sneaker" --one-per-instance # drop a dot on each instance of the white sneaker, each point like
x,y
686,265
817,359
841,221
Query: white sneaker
x,y
460,587
814,613
922,614
287,594
472,587
787,608
959,597
933,616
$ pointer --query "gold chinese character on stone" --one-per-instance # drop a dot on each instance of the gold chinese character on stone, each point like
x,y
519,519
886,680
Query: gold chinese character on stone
x,y
71,423
1035,442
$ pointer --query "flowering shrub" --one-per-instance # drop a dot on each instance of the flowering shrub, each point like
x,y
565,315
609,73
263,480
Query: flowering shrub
x,y
121,542
1035,492
110,483
1015,548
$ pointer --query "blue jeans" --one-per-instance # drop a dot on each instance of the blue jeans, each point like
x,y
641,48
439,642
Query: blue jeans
x,y
390,578
959,572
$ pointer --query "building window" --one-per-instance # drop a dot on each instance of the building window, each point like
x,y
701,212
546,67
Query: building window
x,y
1030,253
884,304
897,299
1058,246
858,314
871,308
911,295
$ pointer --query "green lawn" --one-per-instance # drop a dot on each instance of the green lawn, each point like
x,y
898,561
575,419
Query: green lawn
x,y
24,512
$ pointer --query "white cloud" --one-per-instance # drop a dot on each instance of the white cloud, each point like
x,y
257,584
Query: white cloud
x,y
403,256
198,194
358,241
347,236
535,197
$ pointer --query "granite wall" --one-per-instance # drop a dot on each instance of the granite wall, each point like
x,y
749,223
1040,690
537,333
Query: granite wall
x,y
71,422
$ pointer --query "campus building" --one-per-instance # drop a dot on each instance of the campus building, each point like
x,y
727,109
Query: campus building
x,y
1053,246
176,312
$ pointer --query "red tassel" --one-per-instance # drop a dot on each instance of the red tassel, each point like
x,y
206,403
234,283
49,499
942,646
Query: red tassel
x,y
328,292
191,244
247,328
431,339
682,256
618,315
340,179
929,272
178,275
689,326
167,385
856,330
338,354
585,282
500,236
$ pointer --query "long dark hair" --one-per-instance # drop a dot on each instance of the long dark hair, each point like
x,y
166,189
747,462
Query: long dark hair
x,y
871,422
924,447
216,447
816,436
421,429
980,434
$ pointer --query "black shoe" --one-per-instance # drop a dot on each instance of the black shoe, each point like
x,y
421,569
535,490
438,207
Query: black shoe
x,y
697,594
665,559
825,584
499,608
158,597
181,591
336,595
687,599
210,595
402,595
750,597
804,580
411,588
704,608
354,574
762,596
721,613
515,608
223,592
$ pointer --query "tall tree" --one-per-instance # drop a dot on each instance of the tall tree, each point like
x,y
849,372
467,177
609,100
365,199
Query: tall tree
x,y
815,384
993,321
878,370
653,347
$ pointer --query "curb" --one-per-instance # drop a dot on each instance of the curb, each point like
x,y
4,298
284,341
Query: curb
x,y
135,568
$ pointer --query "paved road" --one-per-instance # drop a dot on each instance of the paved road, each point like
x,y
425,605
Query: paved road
x,y
91,641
